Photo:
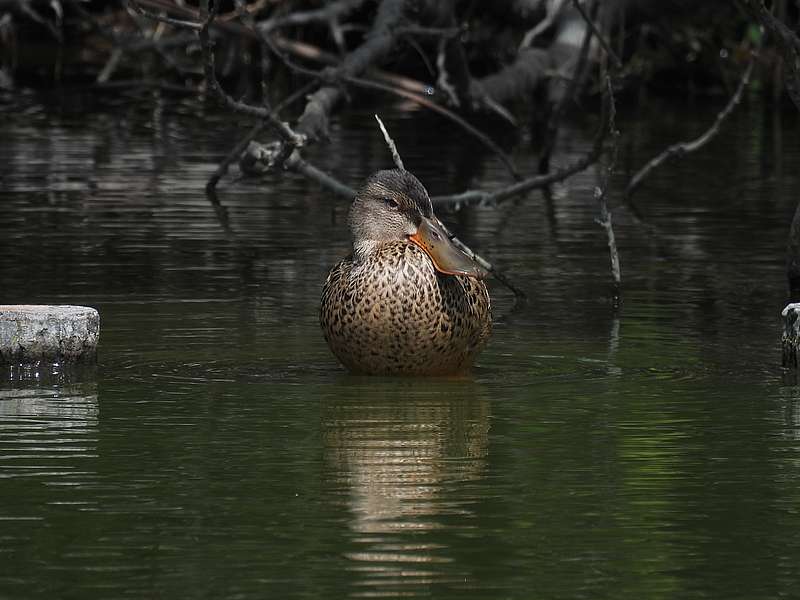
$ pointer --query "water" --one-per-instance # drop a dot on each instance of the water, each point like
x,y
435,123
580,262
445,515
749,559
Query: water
x,y
219,452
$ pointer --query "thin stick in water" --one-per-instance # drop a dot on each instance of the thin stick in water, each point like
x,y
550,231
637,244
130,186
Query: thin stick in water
x,y
392,147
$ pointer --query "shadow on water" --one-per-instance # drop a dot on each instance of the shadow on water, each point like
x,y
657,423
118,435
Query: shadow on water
x,y
218,450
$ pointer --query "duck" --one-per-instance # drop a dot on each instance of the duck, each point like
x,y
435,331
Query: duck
x,y
406,301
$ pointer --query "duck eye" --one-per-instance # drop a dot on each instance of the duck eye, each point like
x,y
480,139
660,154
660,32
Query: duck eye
x,y
391,202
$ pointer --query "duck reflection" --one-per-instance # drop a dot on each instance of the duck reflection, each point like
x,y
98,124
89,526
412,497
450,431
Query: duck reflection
x,y
399,454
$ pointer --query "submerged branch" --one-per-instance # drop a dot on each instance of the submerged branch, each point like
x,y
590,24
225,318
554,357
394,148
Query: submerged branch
x,y
600,193
485,264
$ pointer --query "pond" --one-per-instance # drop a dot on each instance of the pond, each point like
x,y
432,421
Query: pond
x,y
218,451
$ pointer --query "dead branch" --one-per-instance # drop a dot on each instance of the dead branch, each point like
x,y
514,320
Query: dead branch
x,y
244,143
600,192
320,103
298,164
327,14
234,155
285,46
134,5
398,161
438,108
313,123
532,183
485,264
683,148
281,128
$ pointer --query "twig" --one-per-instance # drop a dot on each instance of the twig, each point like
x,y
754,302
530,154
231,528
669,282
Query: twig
x,y
604,220
290,139
322,101
282,129
235,153
242,145
438,108
392,147
283,45
683,148
326,14
443,79
268,43
134,5
110,66
297,163
531,183
485,264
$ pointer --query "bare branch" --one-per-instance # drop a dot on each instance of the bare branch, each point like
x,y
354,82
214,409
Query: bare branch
x,y
683,148
438,108
326,14
604,219
281,128
485,264
297,163
532,183
314,120
392,147
134,5
244,143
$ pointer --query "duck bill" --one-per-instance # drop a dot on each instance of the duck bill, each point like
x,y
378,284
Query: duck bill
x,y
447,258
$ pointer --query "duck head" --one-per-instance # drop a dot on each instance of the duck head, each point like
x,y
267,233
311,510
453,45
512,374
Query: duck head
x,y
394,206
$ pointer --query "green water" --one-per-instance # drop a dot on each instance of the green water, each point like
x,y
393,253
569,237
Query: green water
x,y
219,452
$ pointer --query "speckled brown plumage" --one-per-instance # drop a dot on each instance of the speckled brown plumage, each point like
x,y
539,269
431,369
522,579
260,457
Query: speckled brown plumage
x,y
393,313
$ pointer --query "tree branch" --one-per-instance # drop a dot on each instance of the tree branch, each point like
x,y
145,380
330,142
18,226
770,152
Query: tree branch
x,y
683,148
532,183
600,192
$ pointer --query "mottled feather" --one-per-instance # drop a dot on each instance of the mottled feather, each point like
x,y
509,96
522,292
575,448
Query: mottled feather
x,y
393,313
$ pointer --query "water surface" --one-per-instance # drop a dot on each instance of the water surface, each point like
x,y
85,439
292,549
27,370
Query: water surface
x,y
219,452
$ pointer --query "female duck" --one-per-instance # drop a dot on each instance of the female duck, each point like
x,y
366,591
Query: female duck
x,y
407,300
